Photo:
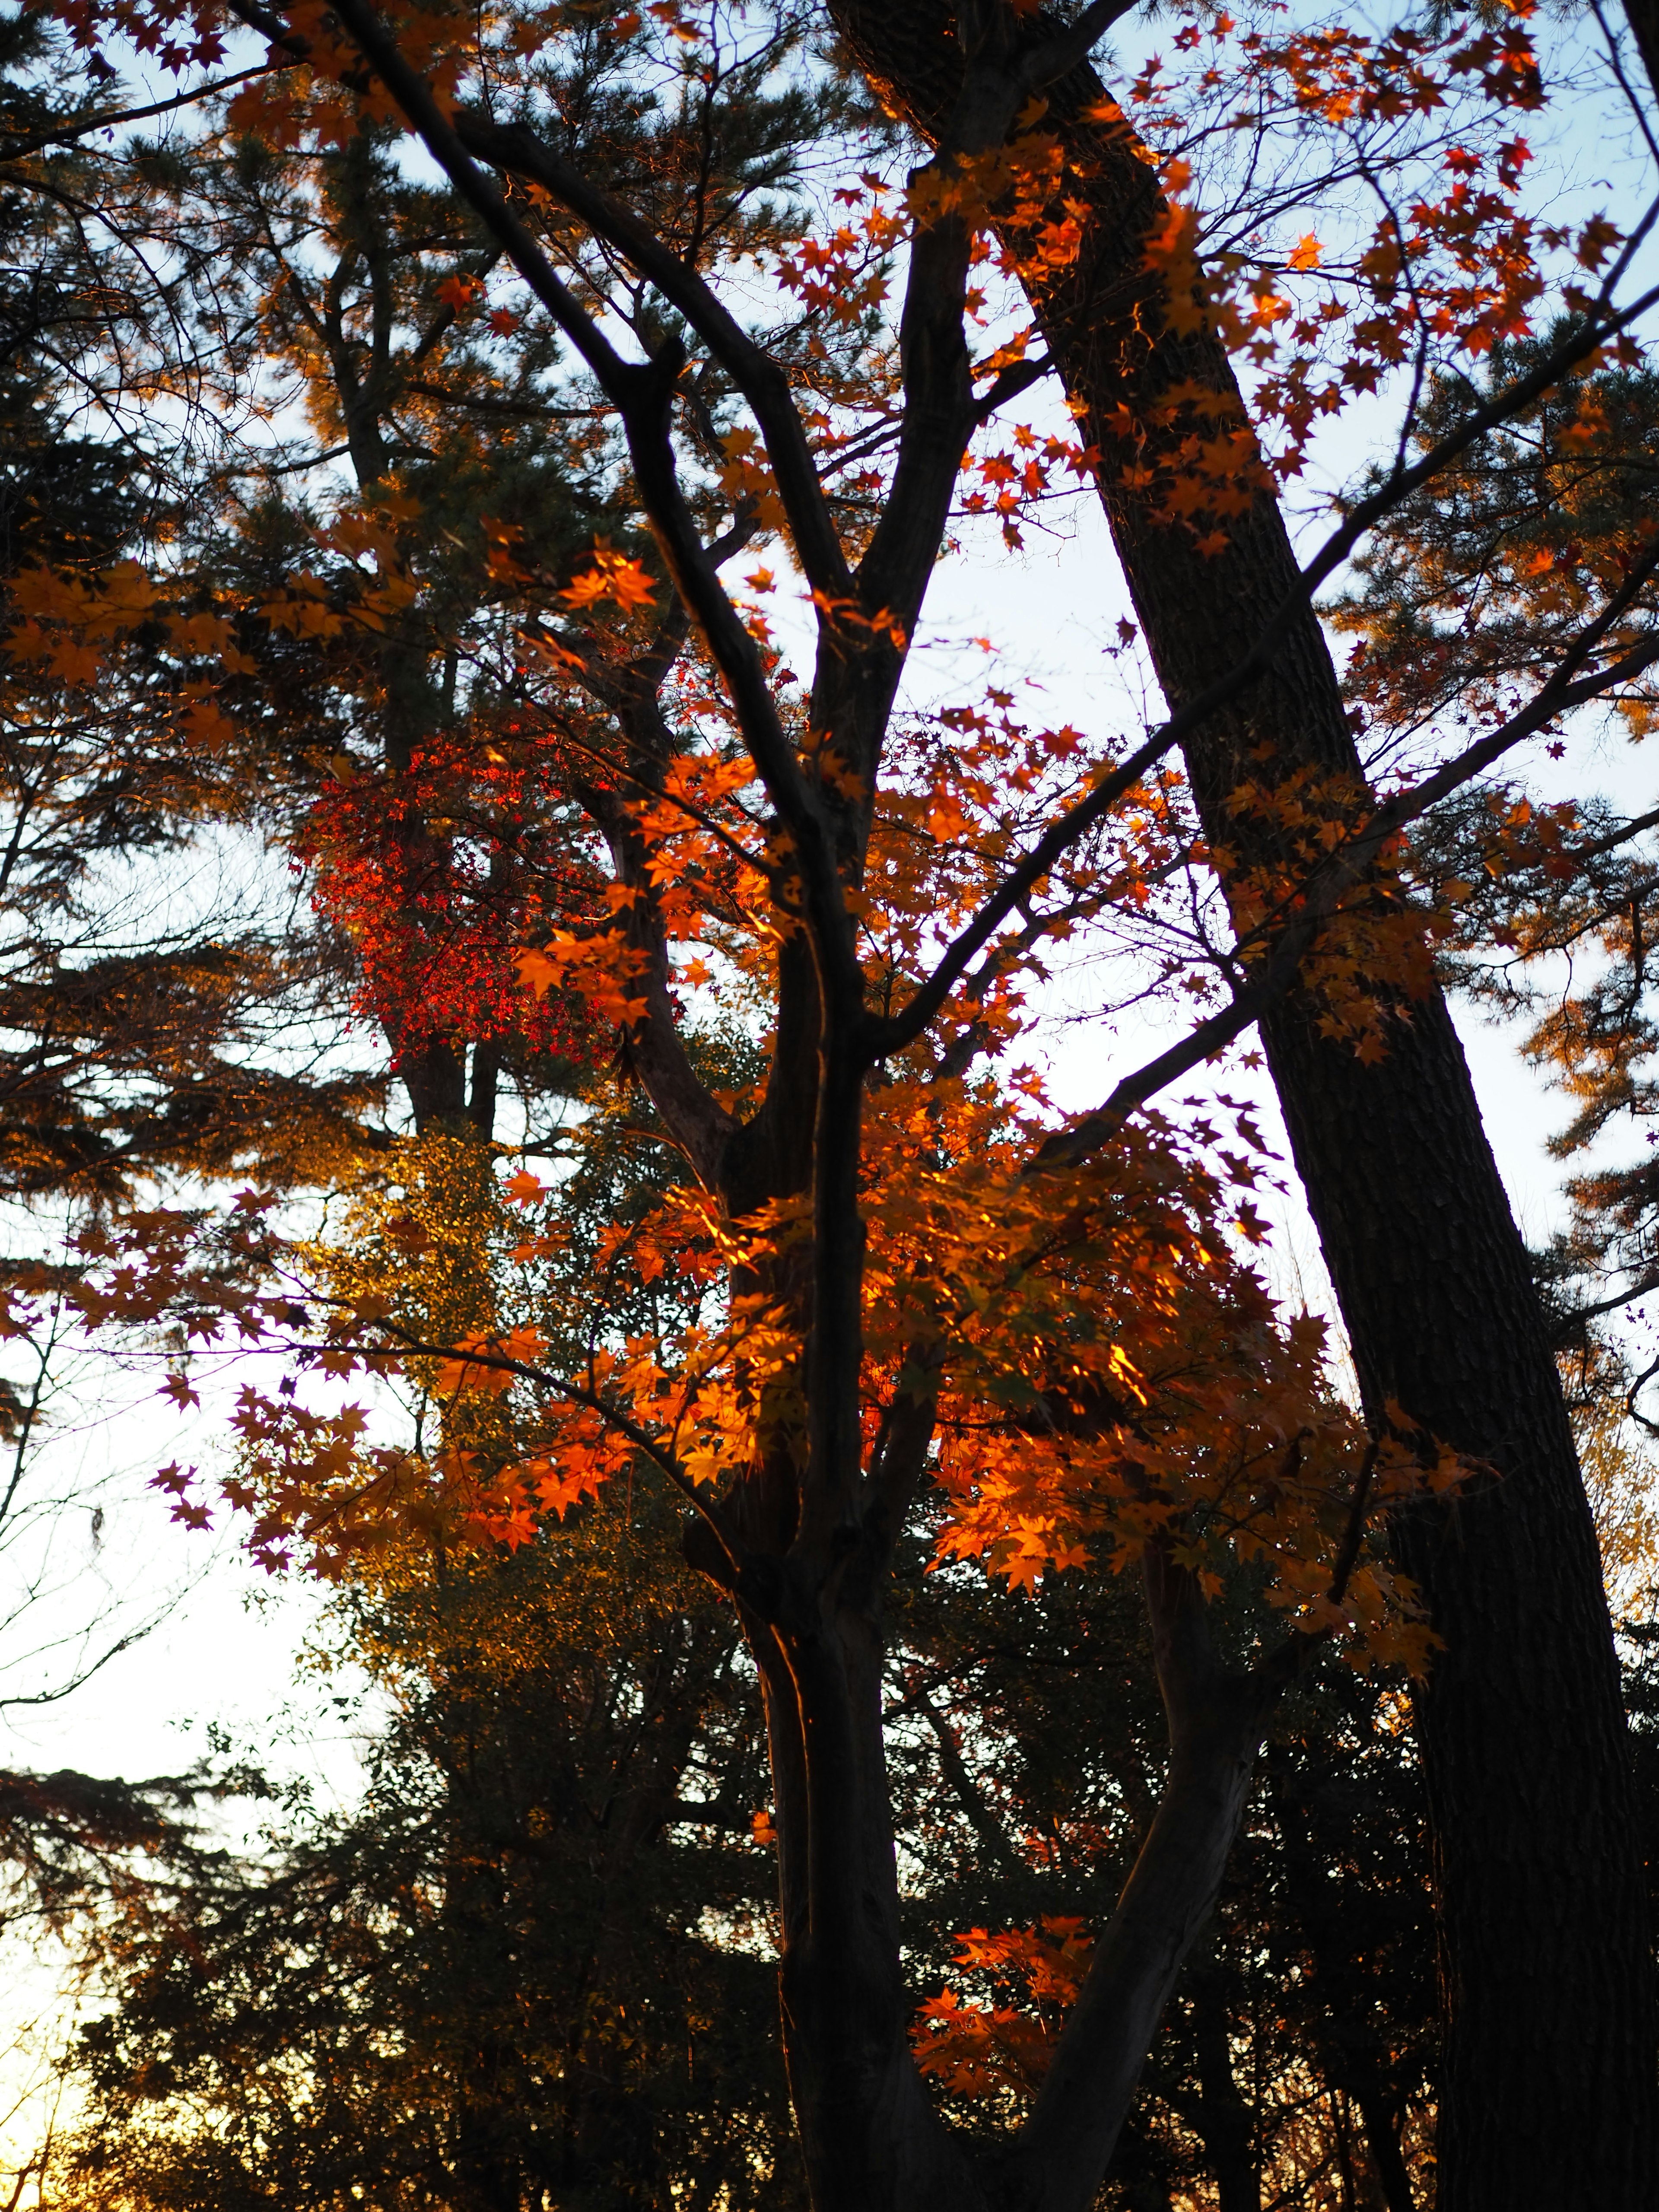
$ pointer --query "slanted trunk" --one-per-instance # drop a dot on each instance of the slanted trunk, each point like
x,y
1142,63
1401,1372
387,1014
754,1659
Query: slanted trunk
x,y
1216,1719
1548,2097
1170,1893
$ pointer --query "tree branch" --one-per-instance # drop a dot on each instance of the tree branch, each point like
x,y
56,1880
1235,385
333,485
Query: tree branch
x,y
517,149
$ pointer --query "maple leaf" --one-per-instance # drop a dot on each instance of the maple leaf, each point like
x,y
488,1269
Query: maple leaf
x,y
537,973
613,576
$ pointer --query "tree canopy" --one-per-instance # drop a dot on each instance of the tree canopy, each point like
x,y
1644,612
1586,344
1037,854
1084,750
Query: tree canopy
x,y
486,473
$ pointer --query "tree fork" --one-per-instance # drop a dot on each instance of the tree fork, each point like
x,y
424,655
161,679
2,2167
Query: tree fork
x,y
1548,2093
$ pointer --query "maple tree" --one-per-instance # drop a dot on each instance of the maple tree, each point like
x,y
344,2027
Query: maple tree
x,y
892,1269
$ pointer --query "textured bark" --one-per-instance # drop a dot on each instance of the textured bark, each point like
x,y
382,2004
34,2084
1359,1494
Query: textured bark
x,y
1548,2098
1643,16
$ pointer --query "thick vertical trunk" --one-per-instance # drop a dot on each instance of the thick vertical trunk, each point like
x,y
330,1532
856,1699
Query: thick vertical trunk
x,y
1546,2089
1223,2118
1388,2161
1549,2093
486,2172
870,2139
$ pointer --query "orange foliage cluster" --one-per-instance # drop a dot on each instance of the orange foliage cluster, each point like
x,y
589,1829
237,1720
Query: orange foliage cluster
x,y
1107,1371
980,2050
67,628
1461,271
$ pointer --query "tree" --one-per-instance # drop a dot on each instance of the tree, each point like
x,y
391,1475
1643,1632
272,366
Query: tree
x,y
494,1984
1414,1220
139,1043
517,1972
905,1274
155,1026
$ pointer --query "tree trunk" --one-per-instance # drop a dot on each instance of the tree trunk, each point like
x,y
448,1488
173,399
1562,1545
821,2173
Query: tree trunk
x,y
1217,1717
1549,2093
1643,16
870,2139
1223,2118
1546,2095
1388,2161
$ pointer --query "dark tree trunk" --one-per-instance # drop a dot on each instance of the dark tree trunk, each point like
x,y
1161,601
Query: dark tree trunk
x,y
433,1074
1388,2161
1223,2118
1545,2093
1549,2093
870,2139
1643,16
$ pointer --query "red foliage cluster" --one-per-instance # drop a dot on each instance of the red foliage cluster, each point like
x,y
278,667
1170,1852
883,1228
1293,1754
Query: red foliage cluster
x,y
439,874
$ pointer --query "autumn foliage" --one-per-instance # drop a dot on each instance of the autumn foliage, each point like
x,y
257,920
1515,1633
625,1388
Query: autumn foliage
x,y
645,414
